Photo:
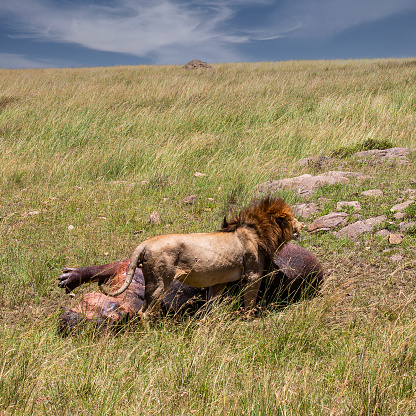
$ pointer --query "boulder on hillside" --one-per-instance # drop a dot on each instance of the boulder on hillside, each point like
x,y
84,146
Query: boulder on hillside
x,y
196,64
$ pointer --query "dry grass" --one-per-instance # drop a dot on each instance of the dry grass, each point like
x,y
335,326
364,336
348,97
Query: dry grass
x,y
102,148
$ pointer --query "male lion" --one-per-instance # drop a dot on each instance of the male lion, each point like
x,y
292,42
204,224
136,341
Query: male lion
x,y
294,274
239,250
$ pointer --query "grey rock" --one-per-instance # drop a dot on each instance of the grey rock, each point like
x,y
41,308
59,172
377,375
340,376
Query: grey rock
x,y
329,221
360,227
375,220
372,192
406,225
196,64
402,206
397,153
305,210
355,229
396,257
306,184
395,238
189,200
383,233
399,215
154,218
385,153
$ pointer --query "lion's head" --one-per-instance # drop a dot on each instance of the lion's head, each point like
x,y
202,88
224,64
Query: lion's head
x,y
272,220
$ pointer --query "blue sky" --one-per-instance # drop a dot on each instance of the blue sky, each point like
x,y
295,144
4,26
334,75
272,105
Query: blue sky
x,y
89,33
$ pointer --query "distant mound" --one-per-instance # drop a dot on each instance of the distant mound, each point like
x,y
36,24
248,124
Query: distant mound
x,y
196,64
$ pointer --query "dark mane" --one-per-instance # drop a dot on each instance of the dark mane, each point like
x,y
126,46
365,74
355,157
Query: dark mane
x,y
270,218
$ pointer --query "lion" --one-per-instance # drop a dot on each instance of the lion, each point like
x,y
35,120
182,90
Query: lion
x,y
238,251
295,274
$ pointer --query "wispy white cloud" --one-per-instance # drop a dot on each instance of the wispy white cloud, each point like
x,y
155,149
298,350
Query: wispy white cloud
x,y
139,28
324,18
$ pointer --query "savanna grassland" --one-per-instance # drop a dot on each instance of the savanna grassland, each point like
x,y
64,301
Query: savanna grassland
x,y
86,155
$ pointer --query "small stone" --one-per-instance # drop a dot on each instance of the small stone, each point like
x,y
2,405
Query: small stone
x,y
31,213
189,200
399,215
372,192
383,233
199,175
70,227
396,257
375,220
402,206
211,199
305,210
395,238
354,204
154,218
406,225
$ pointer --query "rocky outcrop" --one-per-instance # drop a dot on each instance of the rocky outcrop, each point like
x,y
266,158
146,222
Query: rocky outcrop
x,y
306,184
399,154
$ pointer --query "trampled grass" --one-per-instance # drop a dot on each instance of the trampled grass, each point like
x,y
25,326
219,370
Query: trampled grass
x,y
101,148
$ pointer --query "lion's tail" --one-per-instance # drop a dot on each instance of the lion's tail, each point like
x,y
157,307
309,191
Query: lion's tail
x,y
135,260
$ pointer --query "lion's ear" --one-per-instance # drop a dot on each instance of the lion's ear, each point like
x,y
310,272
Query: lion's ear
x,y
224,223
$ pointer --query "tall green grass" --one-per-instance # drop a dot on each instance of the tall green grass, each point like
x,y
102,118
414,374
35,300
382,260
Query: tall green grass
x,y
101,148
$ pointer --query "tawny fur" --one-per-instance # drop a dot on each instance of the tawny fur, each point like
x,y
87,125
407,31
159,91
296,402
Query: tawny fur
x,y
239,251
